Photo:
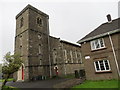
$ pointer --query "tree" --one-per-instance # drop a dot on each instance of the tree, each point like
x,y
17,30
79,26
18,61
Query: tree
x,y
0,71
0,68
12,63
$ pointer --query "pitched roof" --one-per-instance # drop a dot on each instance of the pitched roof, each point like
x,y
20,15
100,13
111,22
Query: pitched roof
x,y
102,29
70,43
67,42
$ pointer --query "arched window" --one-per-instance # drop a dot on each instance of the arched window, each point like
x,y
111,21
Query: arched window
x,y
54,56
39,21
21,22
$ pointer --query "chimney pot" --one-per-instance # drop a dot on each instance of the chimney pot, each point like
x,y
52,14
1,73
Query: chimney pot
x,y
109,18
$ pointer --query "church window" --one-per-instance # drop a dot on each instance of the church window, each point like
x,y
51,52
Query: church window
x,y
39,48
54,57
40,61
21,22
65,54
39,36
76,57
39,21
20,40
71,55
80,57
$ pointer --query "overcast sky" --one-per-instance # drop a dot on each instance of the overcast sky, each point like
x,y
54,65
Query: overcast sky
x,y
69,20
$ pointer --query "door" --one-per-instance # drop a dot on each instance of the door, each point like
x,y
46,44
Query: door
x,y
20,74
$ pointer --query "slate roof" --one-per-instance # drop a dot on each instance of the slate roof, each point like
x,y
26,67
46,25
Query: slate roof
x,y
67,42
71,43
103,28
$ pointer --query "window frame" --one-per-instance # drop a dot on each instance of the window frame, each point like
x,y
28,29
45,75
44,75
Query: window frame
x,y
100,66
21,22
39,49
94,46
39,21
65,54
40,62
54,56
71,56
39,36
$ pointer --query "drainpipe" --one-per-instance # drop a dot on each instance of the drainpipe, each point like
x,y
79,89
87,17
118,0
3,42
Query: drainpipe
x,y
115,58
49,49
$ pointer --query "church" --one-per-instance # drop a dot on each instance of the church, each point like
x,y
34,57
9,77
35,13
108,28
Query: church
x,y
96,54
42,54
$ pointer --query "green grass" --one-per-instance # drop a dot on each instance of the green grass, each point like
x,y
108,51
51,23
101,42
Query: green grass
x,y
69,76
10,88
10,79
99,84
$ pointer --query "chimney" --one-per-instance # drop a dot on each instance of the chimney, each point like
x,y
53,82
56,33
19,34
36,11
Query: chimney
x,y
109,18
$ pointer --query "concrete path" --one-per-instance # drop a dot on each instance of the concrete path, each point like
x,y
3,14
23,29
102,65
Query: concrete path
x,y
37,84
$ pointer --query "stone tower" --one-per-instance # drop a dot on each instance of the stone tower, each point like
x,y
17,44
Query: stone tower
x,y
32,43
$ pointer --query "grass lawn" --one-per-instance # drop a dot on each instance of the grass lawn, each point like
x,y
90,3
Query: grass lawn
x,y
10,88
99,84
69,76
10,79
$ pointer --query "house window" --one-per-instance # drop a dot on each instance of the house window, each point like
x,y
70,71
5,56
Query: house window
x,y
102,65
39,21
21,22
97,44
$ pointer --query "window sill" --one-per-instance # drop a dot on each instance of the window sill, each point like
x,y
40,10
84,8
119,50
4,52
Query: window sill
x,y
98,49
103,72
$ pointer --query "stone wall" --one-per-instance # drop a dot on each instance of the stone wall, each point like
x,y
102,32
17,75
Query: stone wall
x,y
41,52
102,54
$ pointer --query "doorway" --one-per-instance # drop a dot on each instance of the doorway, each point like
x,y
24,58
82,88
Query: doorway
x,y
20,73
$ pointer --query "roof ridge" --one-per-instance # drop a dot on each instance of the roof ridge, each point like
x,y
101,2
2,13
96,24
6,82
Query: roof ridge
x,y
103,28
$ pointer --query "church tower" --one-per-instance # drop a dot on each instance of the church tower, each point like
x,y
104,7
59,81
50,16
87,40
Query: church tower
x,y
32,43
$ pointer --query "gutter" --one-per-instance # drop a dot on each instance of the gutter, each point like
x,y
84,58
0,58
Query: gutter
x,y
98,36
114,54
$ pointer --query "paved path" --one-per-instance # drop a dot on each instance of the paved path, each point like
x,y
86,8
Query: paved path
x,y
37,84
